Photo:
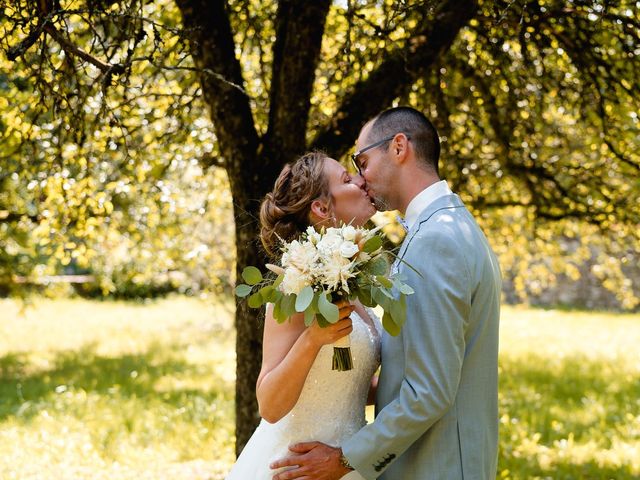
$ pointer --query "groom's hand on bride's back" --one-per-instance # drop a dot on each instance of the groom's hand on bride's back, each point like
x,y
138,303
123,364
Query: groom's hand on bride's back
x,y
311,460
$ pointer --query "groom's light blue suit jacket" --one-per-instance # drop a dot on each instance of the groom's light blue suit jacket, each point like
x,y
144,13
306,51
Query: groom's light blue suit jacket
x,y
437,399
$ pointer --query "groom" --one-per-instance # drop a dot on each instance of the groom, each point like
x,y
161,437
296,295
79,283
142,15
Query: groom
x,y
437,397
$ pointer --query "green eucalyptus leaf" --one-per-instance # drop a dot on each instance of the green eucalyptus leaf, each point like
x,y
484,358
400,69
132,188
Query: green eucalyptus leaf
x,y
309,315
388,293
265,293
322,321
276,296
398,311
278,314
402,287
243,290
380,298
384,281
277,281
389,325
406,289
314,301
255,300
378,266
304,299
251,275
288,305
365,296
373,244
328,310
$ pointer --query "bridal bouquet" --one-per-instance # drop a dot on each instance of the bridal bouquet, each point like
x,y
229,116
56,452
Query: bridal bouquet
x,y
323,267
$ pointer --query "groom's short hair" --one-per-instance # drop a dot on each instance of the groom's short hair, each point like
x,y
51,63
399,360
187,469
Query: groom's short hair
x,y
416,126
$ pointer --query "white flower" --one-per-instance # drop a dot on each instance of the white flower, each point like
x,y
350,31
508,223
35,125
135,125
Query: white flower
x,y
349,233
312,235
363,257
348,249
302,256
330,242
294,281
334,272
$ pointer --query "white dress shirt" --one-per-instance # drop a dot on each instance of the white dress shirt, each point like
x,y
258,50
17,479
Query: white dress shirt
x,y
423,199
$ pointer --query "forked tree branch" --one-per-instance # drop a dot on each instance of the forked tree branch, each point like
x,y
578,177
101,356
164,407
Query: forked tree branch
x,y
299,30
387,81
213,51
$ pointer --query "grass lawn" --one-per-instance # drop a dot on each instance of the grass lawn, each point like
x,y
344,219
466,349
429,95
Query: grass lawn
x,y
113,390
110,390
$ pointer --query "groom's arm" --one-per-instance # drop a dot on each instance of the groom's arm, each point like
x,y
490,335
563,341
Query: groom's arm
x,y
433,341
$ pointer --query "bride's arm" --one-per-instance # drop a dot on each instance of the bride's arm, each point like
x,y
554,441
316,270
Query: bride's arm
x,y
288,352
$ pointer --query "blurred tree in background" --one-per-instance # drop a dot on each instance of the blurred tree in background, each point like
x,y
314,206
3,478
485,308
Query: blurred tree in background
x,y
130,130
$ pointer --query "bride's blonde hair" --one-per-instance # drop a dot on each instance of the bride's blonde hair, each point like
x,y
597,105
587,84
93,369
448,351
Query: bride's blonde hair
x,y
285,211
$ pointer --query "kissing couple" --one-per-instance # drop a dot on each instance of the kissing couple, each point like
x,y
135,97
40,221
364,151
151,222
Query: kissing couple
x,y
436,397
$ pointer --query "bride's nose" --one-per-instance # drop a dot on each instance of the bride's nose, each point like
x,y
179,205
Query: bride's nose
x,y
359,181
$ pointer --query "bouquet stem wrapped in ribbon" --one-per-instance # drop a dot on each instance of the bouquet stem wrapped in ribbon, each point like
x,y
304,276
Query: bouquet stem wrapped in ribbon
x,y
320,268
342,359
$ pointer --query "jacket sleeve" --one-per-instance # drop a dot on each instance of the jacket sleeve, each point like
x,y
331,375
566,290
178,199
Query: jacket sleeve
x,y
434,346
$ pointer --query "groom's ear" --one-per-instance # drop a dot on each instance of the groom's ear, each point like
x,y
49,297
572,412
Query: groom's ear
x,y
400,147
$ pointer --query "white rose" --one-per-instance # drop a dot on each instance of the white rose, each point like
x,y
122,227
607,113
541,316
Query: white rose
x,y
330,241
348,249
349,233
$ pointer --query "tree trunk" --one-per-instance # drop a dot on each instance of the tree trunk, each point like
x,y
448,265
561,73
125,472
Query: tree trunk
x,y
253,162
249,323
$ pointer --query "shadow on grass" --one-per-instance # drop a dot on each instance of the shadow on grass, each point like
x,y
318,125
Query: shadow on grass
x,y
556,404
126,376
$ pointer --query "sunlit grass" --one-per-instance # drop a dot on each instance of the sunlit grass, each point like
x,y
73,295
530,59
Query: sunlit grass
x,y
569,395
97,390
92,390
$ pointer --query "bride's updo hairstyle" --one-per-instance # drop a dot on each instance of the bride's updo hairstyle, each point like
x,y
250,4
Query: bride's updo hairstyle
x,y
285,211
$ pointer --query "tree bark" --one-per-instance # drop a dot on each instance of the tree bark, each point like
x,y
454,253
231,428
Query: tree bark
x,y
299,30
213,50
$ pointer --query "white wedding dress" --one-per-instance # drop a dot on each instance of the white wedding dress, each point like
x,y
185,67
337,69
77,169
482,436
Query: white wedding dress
x,y
330,409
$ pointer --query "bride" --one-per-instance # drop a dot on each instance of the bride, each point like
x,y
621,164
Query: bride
x,y
299,396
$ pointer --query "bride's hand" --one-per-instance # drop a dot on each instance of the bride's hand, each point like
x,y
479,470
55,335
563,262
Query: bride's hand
x,y
329,334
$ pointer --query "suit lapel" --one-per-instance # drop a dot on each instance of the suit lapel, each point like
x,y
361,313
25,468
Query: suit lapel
x,y
441,203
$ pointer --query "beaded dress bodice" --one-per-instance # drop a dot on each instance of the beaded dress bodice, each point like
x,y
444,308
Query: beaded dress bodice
x,y
330,409
332,404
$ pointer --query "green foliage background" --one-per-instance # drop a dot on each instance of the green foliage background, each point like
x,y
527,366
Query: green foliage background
x,y
110,183
116,173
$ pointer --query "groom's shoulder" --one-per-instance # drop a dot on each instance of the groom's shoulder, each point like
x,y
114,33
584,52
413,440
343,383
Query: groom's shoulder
x,y
445,211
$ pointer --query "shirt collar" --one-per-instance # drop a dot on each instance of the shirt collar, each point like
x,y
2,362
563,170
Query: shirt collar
x,y
424,199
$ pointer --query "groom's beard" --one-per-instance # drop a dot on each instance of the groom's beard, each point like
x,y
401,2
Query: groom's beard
x,y
381,204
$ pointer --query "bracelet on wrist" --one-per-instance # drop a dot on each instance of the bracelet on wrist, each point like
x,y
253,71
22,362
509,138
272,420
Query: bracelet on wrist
x,y
344,461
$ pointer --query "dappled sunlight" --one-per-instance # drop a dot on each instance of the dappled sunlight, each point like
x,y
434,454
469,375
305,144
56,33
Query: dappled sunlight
x,y
154,405
569,395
